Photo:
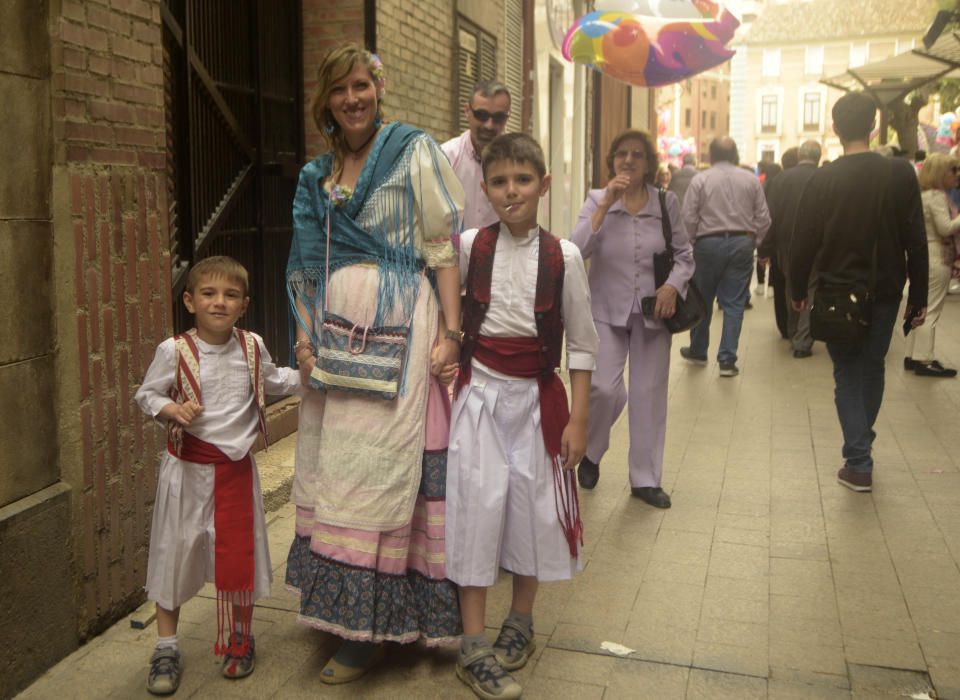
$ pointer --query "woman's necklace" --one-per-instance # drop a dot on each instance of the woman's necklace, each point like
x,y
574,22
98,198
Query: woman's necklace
x,y
356,151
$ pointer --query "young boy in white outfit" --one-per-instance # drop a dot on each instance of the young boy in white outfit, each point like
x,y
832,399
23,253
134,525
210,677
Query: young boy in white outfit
x,y
511,496
208,385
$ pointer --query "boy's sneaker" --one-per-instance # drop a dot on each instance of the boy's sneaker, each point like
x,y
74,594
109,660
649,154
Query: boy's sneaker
x,y
728,369
855,481
687,355
514,646
483,673
239,666
164,676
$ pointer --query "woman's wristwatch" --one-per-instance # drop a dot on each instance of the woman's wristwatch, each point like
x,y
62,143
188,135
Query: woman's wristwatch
x,y
454,335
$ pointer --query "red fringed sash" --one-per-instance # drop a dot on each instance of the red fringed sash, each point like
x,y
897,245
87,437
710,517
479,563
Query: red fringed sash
x,y
233,546
520,357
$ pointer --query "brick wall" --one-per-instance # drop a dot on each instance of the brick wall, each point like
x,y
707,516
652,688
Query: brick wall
x,y
325,24
416,42
108,124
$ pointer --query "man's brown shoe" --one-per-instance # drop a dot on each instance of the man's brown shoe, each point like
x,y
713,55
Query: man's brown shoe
x,y
855,481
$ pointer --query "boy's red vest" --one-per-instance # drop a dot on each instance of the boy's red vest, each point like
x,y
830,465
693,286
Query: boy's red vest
x,y
526,357
232,492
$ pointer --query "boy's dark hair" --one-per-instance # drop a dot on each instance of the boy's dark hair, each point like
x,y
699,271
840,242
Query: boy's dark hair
x,y
218,266
517,147
853,117
653,160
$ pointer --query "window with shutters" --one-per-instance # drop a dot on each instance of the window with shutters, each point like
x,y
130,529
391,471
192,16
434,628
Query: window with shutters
x,y
476,60
513,60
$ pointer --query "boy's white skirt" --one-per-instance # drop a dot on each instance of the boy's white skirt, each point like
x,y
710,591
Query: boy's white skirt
x,y
181,557
501,507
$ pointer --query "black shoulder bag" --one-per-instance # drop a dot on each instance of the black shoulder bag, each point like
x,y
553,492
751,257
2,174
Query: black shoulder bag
x,y
690,310
842,308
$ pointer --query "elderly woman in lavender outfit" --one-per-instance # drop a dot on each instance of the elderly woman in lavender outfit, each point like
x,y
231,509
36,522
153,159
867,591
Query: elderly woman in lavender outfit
x,y
619,231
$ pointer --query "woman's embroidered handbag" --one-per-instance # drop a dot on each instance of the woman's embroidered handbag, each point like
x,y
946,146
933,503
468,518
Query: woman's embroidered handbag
x,y
354,357
690,310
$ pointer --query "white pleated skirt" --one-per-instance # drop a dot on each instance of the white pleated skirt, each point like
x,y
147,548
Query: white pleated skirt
x,y
501,507
181,558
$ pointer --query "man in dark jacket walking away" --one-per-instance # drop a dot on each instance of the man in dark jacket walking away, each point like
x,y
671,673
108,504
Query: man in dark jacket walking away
x,y
861,211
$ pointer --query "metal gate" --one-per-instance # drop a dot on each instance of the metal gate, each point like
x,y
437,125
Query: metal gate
x,y
234,107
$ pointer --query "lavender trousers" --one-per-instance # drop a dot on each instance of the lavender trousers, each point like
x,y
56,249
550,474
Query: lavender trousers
x,y
649,352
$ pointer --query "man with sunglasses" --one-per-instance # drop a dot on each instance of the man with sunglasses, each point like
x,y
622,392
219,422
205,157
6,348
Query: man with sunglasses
x,y
487,112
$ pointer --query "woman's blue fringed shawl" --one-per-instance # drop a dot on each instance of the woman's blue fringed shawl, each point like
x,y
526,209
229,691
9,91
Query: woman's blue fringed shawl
x,y
395,256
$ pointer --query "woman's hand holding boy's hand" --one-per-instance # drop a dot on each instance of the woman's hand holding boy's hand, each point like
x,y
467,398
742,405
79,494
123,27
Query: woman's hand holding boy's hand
x,y
573,444
443,360
182,413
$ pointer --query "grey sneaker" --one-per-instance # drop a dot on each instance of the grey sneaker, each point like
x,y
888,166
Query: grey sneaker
x,y
855,481
688,355
164,676
514,645
728,369
483,673
239,666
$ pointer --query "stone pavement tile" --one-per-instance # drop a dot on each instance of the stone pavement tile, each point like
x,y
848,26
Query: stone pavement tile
x,y
692,573
799,550
744,660
559,664
723,606
632,679
936,611
755,588
800,577
667,603
690,518
795,612
681,546
740,634
783,690
757,523
739,561
553,689
712,685
810,678
945,675
599,581
666,644
732,535
583,638
890,653
928,573
941,643
873,682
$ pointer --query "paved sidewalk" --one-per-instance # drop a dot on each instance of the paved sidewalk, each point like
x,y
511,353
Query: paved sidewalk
x,y
765,580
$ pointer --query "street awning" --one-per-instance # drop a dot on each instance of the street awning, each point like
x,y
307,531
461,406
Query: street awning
x,y
892,79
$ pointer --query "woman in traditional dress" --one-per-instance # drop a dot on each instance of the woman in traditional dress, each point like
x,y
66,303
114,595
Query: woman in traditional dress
x,y
368,555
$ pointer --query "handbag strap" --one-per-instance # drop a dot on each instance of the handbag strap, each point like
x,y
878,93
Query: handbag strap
x,y
665,226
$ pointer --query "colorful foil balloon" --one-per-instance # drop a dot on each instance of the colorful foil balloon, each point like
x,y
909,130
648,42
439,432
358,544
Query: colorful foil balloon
x,y
651,51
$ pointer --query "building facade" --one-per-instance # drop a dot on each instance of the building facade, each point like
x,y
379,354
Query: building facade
x,y
784,53
692,113
135,143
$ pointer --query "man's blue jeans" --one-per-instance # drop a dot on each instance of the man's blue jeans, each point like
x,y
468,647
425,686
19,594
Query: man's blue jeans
x,y
724,268
858,378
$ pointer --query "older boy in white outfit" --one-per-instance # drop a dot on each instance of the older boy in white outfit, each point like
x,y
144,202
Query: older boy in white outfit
x,y
511,495
209,385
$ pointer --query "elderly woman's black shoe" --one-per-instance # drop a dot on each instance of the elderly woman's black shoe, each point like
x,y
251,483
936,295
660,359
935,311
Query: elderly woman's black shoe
x,y
654,495
588,473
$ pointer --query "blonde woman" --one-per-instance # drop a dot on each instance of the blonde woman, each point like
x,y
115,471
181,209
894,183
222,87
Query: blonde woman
x,y
368,555
939,174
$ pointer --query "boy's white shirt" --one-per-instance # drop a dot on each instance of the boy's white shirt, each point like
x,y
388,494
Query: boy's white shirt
x,y
229,420
513,293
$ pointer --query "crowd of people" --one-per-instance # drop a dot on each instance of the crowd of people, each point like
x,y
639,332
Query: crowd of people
x,y
437,444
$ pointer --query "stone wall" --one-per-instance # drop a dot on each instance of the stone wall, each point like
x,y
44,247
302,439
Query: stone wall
x,y
113,284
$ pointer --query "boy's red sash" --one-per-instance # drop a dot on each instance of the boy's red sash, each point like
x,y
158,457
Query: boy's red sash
x,y
233,545
232,493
